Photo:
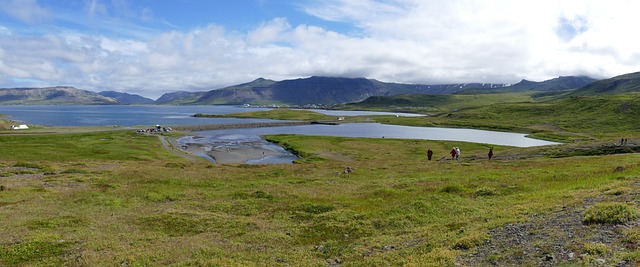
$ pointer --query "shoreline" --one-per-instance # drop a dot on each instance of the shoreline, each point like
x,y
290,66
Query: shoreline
x,y
231,155
211,127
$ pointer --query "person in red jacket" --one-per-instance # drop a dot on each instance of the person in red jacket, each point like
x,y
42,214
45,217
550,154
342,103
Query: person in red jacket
x,y
453,153
429,153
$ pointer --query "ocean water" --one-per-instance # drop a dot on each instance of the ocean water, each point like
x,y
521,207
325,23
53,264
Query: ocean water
x,y
121,115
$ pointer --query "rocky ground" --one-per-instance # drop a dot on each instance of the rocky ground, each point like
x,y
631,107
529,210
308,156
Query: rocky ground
x,y
559,238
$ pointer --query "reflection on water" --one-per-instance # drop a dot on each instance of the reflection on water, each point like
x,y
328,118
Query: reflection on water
x,y
250,138
377,130
364,113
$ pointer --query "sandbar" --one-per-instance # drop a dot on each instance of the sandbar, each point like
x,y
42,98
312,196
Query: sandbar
x,y
240,155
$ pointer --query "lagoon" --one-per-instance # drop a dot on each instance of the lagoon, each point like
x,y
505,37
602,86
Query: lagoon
x,y
248,139
377,130
127,115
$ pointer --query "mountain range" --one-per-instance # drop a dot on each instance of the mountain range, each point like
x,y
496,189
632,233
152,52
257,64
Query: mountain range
x,y
126,98
52,95
316,90
312,90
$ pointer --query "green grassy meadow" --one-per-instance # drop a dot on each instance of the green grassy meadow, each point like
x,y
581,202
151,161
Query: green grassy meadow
x,y
112,198
115,198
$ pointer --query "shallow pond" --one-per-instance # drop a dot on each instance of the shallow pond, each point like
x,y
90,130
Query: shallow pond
x,y
220,139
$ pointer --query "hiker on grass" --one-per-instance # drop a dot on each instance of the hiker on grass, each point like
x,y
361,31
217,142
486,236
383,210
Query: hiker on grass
x,y
457,153
490,153
453,153
429,153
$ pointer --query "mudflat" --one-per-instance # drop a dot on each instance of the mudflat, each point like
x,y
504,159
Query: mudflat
x,y
240,155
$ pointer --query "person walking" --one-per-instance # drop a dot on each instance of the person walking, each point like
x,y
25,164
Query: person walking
x,y
429,153
453,153
490,153
457,153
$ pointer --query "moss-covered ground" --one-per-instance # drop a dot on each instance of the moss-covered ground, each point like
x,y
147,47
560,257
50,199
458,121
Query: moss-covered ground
x,y
117,198
109,197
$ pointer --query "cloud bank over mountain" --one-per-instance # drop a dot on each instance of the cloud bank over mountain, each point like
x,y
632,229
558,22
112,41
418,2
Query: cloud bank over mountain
x,y
141,47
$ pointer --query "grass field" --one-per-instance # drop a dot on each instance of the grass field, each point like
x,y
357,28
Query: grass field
x,y
116,198
109,197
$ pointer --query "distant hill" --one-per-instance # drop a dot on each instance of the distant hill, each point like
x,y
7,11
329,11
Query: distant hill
x,y
177,98
557,84
126,98
622,84
562,83
52,95
313,90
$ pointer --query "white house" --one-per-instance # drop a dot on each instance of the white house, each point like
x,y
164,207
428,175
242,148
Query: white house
x,y
19,127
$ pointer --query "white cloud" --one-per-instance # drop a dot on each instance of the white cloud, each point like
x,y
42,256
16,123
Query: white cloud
x,y
25,10
439,41
269,32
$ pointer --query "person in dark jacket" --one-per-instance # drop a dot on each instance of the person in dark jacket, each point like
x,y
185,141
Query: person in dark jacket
x,y
490,153
429,153
453,153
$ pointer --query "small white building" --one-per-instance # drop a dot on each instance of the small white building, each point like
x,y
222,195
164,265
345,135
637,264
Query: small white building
x,y
19,127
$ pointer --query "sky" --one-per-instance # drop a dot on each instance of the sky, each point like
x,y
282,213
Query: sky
x,y
152,47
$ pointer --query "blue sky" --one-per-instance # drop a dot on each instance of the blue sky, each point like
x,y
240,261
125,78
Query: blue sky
x,y
151,47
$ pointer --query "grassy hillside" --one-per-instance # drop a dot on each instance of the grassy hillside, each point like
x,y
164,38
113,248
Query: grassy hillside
x,y
600,116
564,119
114,198
435,103
628,83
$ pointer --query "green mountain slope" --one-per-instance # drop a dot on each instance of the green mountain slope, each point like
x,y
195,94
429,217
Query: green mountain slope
x,y
436,103
622,84
592,114
52,95
126,98
322,90
178,98
562,83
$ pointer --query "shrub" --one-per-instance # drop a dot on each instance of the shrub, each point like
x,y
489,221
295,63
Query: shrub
x,y
73,170
27,165
632,236
261,194
57,222
596,249
452,189
175,224
316,208
19,253
486,191
158,197
612,212
469,242
175,165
